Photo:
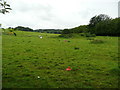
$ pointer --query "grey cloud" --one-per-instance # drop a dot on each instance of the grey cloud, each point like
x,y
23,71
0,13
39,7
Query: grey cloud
x,y
56,14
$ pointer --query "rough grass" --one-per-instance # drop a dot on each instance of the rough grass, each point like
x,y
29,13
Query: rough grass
x,y
26,56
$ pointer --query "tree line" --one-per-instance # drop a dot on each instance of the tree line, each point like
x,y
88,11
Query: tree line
x,y
22,28
100,25
55,31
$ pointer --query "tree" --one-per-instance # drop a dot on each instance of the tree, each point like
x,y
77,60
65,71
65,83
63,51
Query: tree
x,y
102,28
96,20
66,31
80,29
21,28
4,7
108,28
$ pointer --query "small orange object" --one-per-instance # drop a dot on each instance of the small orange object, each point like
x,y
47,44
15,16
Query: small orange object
x,y
68,69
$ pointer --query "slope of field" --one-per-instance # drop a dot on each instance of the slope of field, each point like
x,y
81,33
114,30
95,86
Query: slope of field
x,y
31,62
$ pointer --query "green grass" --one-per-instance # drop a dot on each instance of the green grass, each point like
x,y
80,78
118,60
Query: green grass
x,y
26,56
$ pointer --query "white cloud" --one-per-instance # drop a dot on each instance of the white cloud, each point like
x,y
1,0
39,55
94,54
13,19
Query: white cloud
x,y
56,13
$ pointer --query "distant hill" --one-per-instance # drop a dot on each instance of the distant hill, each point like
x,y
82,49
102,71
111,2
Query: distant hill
x,y
55,31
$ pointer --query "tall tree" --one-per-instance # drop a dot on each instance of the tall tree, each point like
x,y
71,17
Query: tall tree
x,y
108,27
97,19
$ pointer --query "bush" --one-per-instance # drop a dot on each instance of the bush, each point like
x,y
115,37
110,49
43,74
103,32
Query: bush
x,y
66,35
93,35
77,35
82,34
61,35
71,35
87,35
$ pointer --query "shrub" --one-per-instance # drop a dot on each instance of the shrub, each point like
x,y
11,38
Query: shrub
x,y
87,35
93,35
82,34
77,35
61,35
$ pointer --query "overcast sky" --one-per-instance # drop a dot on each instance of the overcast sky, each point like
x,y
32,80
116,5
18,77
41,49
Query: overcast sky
x,y
56,14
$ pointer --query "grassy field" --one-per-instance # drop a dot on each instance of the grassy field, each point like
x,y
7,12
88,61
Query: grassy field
x,y
31,62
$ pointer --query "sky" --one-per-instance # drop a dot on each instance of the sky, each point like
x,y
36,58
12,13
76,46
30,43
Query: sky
x,y
56,14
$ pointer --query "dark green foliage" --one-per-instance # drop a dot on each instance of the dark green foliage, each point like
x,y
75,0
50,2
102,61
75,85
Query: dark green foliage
x,y
66,31
89,35
75,32
72,35
96,19
61,35
111,28
82,34
93,35
66,35
79,29
21,28
103,25
55,31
